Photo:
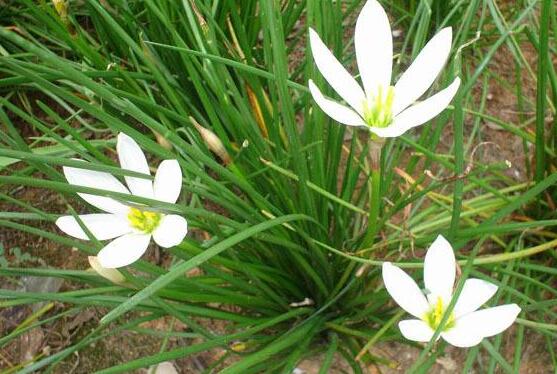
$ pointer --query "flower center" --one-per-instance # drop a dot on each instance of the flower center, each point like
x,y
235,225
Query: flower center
x,y
435,315
144,220
378,108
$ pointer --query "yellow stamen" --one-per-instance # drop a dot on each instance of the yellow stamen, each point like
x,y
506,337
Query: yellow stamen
x,y
378,108
435,315
144,220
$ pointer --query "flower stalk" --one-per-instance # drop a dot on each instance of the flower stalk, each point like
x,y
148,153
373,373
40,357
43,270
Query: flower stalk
x,y
376,145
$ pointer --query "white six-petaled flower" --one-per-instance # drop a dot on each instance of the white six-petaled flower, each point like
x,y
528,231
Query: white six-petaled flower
x,y
466,326
385,110
132,226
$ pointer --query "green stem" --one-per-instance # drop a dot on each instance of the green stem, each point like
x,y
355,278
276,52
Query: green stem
x,y
482,260
543,61
375,193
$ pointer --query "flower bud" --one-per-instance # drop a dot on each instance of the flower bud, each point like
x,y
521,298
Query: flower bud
x,y
213,142
162,141
112,275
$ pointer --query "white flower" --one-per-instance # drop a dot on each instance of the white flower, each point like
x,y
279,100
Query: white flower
x,y
385,110
134,226
466,325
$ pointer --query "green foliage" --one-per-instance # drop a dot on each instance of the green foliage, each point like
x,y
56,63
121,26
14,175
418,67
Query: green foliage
x,y
280,215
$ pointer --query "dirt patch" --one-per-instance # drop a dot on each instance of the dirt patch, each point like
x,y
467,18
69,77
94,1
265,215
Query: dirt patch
x,y
503,103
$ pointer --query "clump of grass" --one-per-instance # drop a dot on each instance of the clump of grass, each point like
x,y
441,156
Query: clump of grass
x,y
280,258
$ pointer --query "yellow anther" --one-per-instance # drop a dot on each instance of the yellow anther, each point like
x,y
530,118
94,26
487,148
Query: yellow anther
x,y
435,315
378,108
144,220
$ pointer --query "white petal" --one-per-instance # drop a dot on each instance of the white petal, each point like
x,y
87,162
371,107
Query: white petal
x,y
470,329
103,226
337,76
100,180
374,47
423,71
132,158
459,337
415,330
419,113
168,181
336,111
124,250
491,321
171,231
439,271
476,292
404,290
